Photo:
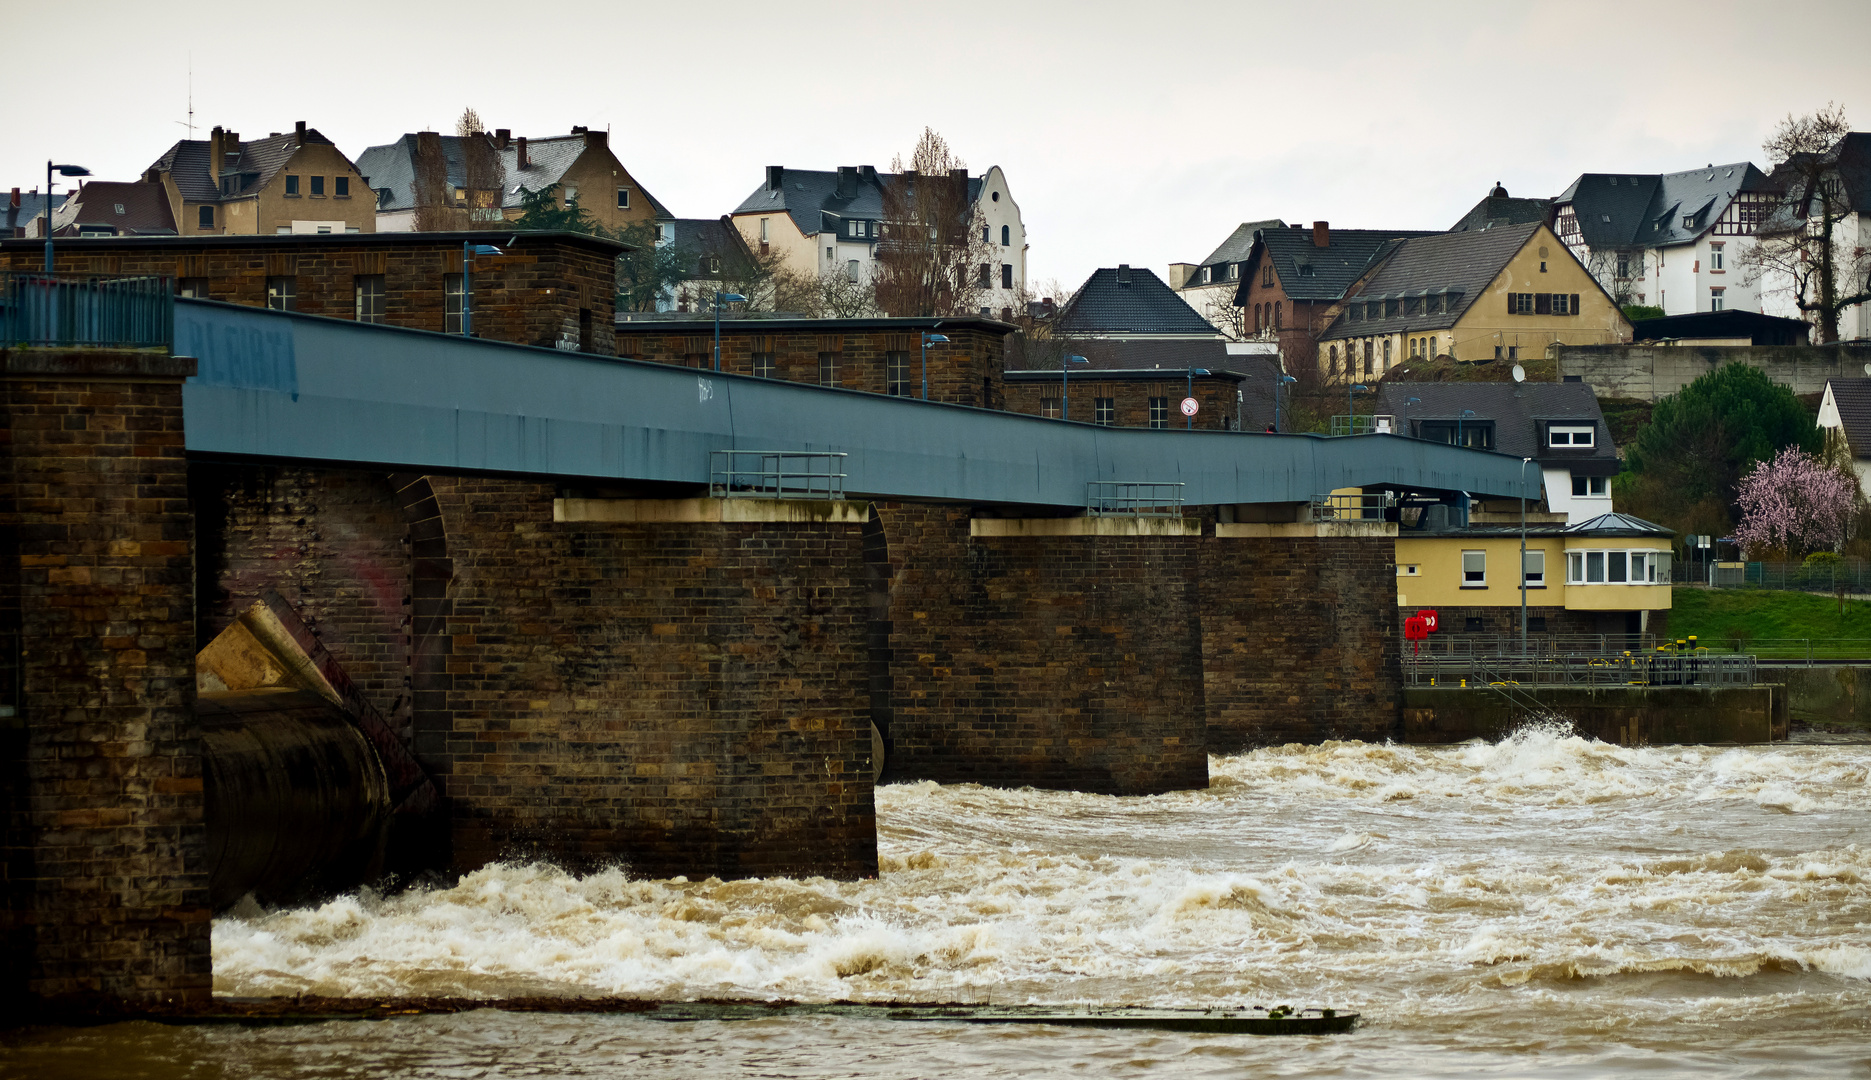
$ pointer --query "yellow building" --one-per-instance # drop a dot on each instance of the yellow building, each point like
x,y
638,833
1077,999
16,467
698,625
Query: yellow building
x,y
1507,293
1608,575
295,182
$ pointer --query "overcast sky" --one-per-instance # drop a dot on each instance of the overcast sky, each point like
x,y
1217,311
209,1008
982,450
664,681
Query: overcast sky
x,y
1129,132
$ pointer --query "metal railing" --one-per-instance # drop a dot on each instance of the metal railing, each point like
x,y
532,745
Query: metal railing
x,y
1637,669
775,474
1354,425
1790,650
1847,575
1447,644
1361,507
1144,498
74,309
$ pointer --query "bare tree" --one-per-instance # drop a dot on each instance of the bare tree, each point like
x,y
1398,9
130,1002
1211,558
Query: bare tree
x,y
1799,253
469,123
934,257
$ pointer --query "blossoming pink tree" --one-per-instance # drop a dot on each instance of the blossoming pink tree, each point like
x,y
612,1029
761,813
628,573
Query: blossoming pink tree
x,y
1793,503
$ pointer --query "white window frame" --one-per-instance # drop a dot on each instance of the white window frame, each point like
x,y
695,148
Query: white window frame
x,y
1639,566
1716,258
1534,578
623,198
1480,580
1572,436
1409,570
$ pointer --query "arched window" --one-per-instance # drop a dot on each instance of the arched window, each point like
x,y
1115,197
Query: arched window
x,y
1005,236
1386,355
1331,364
1276,314
1257,322
1432,348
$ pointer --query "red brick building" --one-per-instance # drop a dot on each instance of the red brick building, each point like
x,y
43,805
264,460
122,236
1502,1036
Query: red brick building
x,y
1295,279
548,289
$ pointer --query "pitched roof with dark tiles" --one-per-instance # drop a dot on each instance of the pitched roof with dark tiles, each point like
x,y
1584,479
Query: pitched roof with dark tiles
x,y
1240,242
1462,263
1852,398
1142,304
132,209
810,197
1517,410
32,204
393,166
1310,272
1497,210
1649,210
258,162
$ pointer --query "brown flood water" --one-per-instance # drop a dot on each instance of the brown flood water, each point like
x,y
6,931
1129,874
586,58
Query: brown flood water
x,y
1545,906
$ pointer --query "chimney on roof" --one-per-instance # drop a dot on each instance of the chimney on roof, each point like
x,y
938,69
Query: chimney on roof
x,y
519,153
298,128
1123,273
502,136
1299,225
1322,234
847,181
15,200
776,177
578,130
597,140
867,173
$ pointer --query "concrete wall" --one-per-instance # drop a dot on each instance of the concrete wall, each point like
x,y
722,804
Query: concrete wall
x,y
1625,715
1826,696
106,883
1649,372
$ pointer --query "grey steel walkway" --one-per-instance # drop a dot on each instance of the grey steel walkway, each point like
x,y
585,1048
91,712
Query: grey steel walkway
x,y
280,385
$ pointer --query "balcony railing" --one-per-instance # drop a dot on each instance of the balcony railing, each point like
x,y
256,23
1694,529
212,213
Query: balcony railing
x,y
772,474
1370,506
1104,498
82,310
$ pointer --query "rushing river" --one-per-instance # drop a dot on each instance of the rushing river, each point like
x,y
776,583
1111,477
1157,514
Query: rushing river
x,y
1546,906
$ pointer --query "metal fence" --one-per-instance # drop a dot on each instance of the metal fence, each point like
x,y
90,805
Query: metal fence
x,y
1444,644
772,474
1637,669
1847,575
73,309
1357,425
1146,498
1362,507
1790,650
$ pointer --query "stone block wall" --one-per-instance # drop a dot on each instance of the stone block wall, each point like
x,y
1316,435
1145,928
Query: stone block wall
x,y
1650,372
1300,640
106,886
1056,662
686,698
965,371
547,290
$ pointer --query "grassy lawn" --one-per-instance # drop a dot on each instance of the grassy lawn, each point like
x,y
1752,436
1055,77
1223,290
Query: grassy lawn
x,y
1719,616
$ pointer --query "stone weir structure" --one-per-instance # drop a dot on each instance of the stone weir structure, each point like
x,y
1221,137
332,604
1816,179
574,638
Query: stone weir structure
x,y
600,637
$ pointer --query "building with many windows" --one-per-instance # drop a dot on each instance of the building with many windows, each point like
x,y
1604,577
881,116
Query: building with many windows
x,y
429,182
291,182
824,222
1677,241
1210,285
1506,293
1294,282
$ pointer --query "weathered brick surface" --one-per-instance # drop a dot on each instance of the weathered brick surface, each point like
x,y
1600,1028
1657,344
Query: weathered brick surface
x,y
685,698
106,881
333,543
546,291
1130,399
965,371
1058,662
1299,640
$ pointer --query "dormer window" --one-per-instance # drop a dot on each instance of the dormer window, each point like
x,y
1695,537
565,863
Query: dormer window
x,y
1689,221
1570,436
1208,274
1305,269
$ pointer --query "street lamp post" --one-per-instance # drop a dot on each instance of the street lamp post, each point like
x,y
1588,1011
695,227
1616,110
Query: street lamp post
x,y
469,250
723,298
1523,555
1065,387
1458,426
1352,407
63,170
1285,380
929,339
1406,414
1188,419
